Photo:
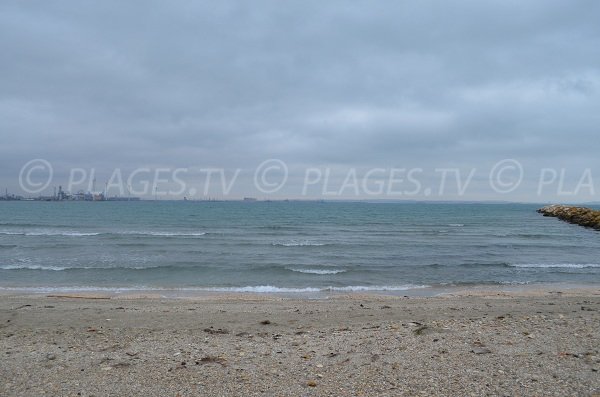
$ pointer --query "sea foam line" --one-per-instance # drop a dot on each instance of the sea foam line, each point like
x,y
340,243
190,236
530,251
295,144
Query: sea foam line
x,y
295,243
62,268
317,271
50,233
84,234
246,289
32,267
556,265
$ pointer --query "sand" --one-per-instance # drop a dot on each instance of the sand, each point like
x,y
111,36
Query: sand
x,y
469,343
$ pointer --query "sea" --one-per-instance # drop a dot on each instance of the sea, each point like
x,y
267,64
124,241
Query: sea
x,y
287,247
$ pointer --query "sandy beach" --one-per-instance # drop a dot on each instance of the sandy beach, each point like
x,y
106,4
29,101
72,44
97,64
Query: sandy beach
x,y
473,342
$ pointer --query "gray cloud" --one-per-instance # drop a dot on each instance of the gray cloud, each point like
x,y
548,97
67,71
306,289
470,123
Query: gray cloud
x,y
229,84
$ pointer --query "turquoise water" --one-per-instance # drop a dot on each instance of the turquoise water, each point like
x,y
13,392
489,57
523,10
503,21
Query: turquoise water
x,y
287,246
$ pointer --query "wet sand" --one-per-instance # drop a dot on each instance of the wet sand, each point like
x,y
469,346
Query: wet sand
x,y
526,342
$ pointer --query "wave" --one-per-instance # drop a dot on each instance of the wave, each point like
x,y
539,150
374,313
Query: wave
x,y
157,233
467,265
555,265
50,233
350,288
32,267
358,288
296,243
456,224
170,234
269,289
84,234
317,271
67,268
256,289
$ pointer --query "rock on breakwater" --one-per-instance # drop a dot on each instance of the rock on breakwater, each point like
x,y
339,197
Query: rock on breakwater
x,y
577,215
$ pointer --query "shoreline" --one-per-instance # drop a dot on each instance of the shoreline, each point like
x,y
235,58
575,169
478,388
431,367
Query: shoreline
x,y
472,342
482,290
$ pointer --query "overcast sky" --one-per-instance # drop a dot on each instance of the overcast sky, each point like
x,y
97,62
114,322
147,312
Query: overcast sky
x,y
429,84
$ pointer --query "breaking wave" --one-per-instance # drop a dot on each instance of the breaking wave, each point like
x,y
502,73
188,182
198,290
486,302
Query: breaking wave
x,y
50,233
556,265
248,289
317,271
298,243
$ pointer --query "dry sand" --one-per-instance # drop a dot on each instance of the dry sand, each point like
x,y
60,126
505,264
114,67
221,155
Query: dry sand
x,y
522,343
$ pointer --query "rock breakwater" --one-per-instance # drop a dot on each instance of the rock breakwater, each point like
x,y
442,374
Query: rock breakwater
x,y
577,215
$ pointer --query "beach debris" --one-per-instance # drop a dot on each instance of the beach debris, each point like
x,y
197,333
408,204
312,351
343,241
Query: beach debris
x,y
481,350
265,322
50,356
212,359
372,327
420,330
78,297
311,383
218,331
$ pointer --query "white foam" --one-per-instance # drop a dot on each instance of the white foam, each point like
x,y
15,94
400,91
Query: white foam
x,y
165,234
556,265
298,243
32,267
269,289
358,288
259,289
318,271
61,268
50,233
79,289
456,224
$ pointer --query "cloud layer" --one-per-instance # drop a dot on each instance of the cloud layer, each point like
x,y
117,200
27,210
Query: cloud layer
x,y
367,84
